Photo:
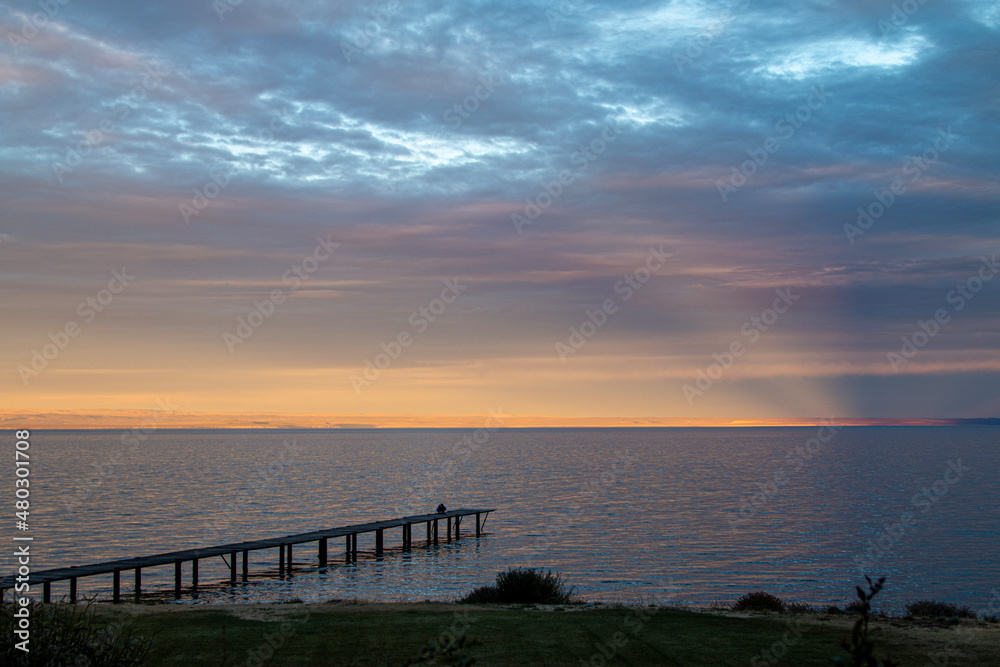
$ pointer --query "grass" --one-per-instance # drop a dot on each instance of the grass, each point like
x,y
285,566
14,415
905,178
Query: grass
x,y
380,634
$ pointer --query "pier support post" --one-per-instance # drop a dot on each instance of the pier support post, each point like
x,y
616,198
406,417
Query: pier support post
x,y
286,558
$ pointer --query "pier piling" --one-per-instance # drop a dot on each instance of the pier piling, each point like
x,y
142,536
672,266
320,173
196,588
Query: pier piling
x,y
285,558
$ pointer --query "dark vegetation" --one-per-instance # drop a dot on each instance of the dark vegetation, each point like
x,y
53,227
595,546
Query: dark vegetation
x,y
372,634
860,645
935,609
70,635
759,601
522,586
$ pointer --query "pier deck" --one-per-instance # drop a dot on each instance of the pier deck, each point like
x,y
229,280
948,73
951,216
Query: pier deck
x,y
452,518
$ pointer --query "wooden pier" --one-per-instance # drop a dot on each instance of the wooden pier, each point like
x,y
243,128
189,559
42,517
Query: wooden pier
x,y
452,519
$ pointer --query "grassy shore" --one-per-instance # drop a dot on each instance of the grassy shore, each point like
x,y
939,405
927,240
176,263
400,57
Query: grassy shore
x,y
344,633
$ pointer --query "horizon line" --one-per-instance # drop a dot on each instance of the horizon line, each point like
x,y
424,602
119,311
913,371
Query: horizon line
x,y
172,419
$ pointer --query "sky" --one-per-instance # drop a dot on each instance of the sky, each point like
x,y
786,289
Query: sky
x,y
752,210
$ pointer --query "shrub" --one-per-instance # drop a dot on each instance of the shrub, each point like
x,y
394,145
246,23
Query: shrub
x,y
523,586
856,607
759,601
70,635
935,609
799,608
860,645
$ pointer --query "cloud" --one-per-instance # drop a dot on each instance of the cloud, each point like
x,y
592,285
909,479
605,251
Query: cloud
x,y
119,115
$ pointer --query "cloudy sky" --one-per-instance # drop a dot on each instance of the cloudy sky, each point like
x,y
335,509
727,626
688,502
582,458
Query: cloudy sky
x,y
260,198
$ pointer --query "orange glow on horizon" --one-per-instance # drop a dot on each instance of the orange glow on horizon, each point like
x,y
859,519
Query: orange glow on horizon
x,y
159,419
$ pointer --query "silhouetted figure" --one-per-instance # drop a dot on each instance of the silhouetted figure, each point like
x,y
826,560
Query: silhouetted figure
x,y
442,509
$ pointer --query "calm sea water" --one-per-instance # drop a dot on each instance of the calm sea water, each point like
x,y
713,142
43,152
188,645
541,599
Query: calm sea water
x,y
658,515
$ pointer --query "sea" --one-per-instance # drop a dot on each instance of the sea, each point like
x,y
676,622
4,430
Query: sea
x,y
687,516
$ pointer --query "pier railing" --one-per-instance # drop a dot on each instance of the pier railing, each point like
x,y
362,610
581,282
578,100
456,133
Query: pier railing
x,y
451,518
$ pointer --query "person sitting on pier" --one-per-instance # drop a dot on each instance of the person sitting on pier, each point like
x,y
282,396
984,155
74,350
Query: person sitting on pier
x,y
442,509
